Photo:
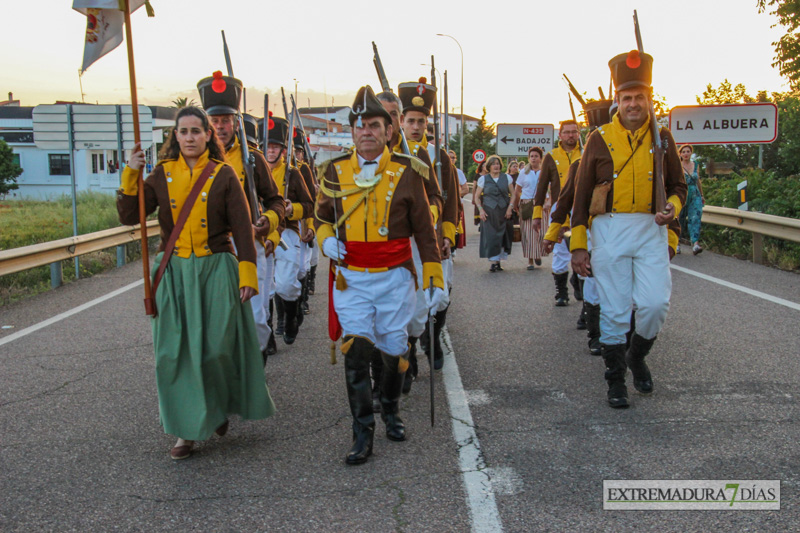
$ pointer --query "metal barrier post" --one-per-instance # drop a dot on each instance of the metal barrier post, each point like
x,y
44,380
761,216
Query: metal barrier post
x,y
56,278
121,253
758,248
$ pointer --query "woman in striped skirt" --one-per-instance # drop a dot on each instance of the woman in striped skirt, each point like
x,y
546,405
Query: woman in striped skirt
x,y
525,190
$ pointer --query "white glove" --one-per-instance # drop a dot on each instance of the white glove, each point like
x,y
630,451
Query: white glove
x,y
434,301
333,248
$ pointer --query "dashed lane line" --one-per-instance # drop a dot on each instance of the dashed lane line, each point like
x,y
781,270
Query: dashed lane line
x,y
477,478
751,292
67,314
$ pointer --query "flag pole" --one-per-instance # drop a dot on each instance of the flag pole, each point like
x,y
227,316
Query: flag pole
x,y
148,296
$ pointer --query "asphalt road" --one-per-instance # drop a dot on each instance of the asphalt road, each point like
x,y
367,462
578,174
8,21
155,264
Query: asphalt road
x,y
81,448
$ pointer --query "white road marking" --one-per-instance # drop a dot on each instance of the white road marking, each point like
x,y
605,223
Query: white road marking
x,y
67,314
477,478
751,292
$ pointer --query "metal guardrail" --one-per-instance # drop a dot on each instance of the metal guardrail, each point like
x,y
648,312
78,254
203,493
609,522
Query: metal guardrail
x,y
53,252
759,224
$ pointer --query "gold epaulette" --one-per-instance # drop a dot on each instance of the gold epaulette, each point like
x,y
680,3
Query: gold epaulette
x,y
416,164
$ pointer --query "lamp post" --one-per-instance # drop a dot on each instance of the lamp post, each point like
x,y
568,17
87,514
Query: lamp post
x,y
461,136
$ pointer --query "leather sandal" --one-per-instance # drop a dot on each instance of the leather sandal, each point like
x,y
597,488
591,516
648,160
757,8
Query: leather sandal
x,y
183,451
223,429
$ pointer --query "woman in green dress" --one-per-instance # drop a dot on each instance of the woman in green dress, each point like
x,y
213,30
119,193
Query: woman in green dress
x,y
208,363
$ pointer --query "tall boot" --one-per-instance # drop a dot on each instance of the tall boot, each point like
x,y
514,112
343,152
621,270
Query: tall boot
x,y
281,320
592,327
376,366
577,286
392,376
299,311
312,280
640,347
356,371
272,347
292,327
581,324
562,292
304,309
411,373
614,357
438,353
629,334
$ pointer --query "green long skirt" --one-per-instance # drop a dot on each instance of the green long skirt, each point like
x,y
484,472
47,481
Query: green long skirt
x,y
208,360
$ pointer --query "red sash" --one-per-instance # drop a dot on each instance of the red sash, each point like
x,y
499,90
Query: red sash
x,y
382,254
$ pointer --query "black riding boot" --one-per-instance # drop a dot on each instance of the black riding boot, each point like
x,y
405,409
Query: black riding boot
x,y
630,331
281,323
356,371
438,353
411,373
640,347
272,347
562,292
292,327
312,280
592,327
581,324
303,310
614,357
376,366
392,376
577,286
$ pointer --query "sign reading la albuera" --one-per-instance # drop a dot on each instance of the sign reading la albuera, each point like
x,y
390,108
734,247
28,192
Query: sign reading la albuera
x,y
724,124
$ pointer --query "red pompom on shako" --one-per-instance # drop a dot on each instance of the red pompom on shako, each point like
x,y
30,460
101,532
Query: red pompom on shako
x,y
270,123
218,85
633,60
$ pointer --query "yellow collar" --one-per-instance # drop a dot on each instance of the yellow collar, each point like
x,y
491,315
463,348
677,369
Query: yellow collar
x,y
638,134
201,162
385,157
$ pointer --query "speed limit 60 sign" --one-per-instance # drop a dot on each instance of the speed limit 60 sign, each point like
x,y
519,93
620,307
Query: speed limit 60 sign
x,y
479,156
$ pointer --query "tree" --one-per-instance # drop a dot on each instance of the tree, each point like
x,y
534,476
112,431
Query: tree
x,y
482,137
9,169
787,49
183,102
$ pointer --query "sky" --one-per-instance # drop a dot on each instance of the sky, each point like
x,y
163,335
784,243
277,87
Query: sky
x,y
514,52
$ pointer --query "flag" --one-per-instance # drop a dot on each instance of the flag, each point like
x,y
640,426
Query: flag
x,y
104,22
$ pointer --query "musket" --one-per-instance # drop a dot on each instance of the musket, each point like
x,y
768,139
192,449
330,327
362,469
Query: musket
x,y
446,115
376,60
574,91
658,147
290,143
431,343
248,160
437,142
306,146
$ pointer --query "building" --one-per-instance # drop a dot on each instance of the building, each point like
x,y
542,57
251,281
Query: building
x,y
46,173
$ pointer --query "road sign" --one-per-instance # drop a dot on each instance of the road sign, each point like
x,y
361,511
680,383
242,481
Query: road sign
x,y
516,139
742,188
724,124
479,156
94,127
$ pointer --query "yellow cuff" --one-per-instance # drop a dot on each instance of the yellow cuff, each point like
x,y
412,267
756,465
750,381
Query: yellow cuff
x,y
449,231
129,182
247,275
460,227
672,238
297,211
274,237
566,222
435,213
578,239
677,203
435,270
323,232
537,211
272,218
552,232
310,225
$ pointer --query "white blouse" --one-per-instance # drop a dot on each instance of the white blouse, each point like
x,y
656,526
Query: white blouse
x,y
528,181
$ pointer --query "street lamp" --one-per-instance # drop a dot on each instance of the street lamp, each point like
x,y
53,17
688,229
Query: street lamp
x,y
461,137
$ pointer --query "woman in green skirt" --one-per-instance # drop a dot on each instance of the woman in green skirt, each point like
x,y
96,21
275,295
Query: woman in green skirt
x,y
208,362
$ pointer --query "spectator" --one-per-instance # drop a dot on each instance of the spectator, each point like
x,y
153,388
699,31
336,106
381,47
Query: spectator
x,y
692,213
493,195
524,192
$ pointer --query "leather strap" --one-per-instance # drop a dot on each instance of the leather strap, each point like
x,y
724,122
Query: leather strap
x,y
182,218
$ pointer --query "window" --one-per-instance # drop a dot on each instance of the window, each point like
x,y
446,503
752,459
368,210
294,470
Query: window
x,y
16,160
98,163
59,164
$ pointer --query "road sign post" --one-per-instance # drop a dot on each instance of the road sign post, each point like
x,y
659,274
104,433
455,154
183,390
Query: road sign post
x,y
724,124
517,139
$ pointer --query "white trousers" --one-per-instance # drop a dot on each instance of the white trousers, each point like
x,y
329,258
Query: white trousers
x,y
447,272
261,300
590,295
630,262
288,265
314,253
562,258
420,319
305,259
377,306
